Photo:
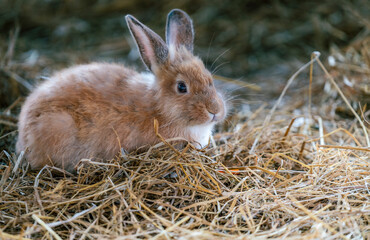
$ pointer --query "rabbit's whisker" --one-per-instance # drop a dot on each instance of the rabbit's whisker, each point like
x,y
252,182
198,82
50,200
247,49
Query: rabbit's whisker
x,y
219,67
209,47
219,57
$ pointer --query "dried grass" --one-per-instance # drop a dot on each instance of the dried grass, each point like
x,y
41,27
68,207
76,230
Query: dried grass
x,y
306,178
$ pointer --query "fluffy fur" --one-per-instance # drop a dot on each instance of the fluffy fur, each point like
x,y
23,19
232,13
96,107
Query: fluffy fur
x,y
93,110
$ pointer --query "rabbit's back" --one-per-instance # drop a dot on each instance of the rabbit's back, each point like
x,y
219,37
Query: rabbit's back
x,y
74,114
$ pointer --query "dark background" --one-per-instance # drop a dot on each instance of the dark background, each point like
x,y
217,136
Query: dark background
x,y
252,36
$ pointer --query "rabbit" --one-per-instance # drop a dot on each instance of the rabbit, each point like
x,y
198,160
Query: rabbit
x,y
94,110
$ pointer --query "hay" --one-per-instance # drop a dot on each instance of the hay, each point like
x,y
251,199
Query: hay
x,y
307,178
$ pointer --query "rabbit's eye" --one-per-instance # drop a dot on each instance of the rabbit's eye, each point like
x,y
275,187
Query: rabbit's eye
x,y
181,87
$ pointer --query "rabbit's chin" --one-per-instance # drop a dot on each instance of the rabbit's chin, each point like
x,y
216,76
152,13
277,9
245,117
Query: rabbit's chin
x,y
200,134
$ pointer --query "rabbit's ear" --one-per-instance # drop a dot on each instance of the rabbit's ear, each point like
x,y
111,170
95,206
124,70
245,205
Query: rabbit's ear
x,y
153,50
179,29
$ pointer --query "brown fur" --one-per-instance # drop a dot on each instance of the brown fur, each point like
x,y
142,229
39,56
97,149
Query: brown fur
x,y
90,111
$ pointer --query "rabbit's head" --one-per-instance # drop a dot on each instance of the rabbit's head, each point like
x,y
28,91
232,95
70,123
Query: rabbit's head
x,y
184,88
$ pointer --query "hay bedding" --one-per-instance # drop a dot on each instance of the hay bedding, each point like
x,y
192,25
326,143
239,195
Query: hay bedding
x,y
306,178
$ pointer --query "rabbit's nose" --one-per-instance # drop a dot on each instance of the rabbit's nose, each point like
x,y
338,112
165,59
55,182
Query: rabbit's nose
x,y
214,116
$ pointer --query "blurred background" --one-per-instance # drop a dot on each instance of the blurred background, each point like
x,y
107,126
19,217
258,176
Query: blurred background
x,y
259,42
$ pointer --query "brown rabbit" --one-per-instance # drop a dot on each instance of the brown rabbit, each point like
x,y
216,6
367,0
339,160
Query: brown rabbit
x,y
90,111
